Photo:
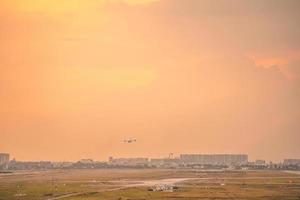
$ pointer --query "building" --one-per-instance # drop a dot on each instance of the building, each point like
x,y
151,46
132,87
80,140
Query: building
x,y
128,161
291,162
165,162
86,161
260,162
214,159
62,164
4,159
19,165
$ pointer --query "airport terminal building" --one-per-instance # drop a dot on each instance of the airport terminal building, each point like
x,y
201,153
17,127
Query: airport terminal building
x,y
214,159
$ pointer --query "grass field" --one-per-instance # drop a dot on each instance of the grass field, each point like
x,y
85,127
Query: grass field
x,y
112,184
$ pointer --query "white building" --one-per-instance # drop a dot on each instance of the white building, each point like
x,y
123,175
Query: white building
x,y
214,159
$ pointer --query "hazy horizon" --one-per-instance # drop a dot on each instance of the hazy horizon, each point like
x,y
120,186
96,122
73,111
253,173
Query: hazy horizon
x,y
100,159
181,76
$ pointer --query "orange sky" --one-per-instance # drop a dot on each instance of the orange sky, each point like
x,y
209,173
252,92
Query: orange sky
x,y
199,76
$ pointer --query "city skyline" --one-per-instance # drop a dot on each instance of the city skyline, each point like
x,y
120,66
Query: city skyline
x,y
182,161
159,157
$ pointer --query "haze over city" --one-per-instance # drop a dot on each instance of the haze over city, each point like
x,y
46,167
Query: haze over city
x,y
79,77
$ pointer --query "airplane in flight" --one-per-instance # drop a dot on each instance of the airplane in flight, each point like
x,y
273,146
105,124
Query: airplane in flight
x,y
129,141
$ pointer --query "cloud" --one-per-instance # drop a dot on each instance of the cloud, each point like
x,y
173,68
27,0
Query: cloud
x,y
287,63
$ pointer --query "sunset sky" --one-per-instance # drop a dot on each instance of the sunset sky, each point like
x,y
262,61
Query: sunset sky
x,y
77,77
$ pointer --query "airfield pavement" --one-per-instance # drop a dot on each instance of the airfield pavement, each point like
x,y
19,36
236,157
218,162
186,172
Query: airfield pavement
x,y
133,184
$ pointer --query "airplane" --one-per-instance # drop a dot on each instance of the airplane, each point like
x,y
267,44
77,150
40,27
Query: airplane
x,y
129,141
